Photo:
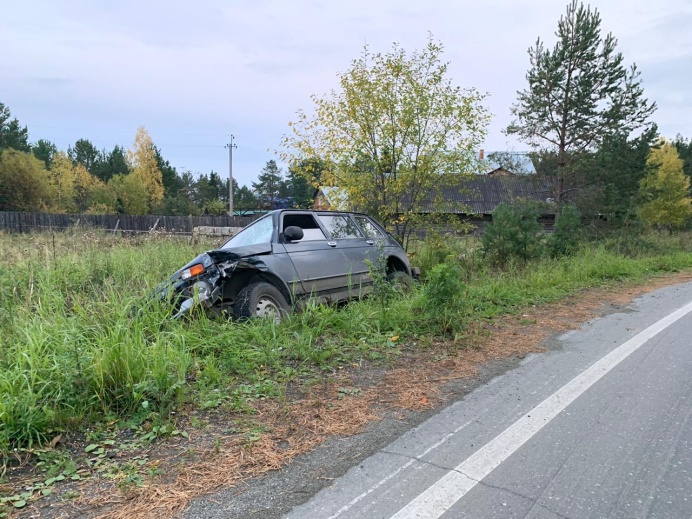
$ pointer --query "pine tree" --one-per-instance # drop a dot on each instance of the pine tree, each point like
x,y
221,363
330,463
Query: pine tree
x,y
44,150
84,153
268,185
12,134
580,94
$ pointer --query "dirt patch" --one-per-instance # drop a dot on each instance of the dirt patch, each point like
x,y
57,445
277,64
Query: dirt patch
x,y
213,458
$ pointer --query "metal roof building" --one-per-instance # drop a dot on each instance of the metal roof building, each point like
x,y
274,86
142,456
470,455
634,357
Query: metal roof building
x,y
481,194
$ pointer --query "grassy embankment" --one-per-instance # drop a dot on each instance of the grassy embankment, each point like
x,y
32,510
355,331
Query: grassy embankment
x,y
71,356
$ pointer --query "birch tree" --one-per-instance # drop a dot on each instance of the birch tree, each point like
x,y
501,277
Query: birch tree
x,y
144,166
395,133
665,189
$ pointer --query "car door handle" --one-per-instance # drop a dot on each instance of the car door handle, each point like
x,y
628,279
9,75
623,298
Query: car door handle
x,y
331,243
370,242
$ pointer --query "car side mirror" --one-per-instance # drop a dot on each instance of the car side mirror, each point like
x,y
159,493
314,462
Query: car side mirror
x,y
293,233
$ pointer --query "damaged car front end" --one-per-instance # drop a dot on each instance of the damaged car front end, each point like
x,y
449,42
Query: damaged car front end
x,y
212,280
196,283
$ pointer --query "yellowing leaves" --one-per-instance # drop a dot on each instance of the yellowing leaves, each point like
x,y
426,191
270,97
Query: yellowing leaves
x,y
132,193
143,162
665,189
73,185
391,131
24,182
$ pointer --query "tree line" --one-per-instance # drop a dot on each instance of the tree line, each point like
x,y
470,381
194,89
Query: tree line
x,y
397,137
83,179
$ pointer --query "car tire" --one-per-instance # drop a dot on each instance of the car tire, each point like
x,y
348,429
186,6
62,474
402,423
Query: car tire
x,y
261,299
400,280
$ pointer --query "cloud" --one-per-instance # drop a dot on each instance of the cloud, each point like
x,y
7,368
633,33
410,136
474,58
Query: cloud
x,y
195,72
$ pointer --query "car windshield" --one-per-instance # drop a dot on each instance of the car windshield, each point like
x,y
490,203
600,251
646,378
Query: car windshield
x,y
254,234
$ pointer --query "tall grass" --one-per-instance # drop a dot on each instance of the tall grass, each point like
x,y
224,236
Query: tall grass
x,y
72,355
68,351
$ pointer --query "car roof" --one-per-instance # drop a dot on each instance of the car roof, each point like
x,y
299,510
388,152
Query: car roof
x,y
318,211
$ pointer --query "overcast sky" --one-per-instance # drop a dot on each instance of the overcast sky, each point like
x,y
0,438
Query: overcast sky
x,y
193,73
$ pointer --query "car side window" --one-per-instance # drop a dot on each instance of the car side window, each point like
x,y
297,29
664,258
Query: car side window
x,y
368,227
311,229
340,226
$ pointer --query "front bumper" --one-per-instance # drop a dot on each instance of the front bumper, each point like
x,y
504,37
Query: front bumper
x,y
201,293
183,295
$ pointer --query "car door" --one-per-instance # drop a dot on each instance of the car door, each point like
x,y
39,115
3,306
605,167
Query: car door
x,y
373,234
357,250
320,264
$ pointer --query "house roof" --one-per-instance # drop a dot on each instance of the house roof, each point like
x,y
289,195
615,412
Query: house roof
x,y
476,194
516,162
336,197
481,194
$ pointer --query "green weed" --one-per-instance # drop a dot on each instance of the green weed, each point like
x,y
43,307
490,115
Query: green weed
x,y
73,358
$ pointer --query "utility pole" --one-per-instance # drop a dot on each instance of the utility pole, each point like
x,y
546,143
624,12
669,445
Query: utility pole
x,y
230,147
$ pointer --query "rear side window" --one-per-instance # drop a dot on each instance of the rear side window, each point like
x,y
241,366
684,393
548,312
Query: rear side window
x,y
340,226
368,227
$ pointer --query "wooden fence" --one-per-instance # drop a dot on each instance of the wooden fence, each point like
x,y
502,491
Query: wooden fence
x,y
15,221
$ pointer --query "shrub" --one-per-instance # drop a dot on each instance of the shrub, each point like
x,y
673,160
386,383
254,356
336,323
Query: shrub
x,y
631,245
567,233
442,297
513,234
435,250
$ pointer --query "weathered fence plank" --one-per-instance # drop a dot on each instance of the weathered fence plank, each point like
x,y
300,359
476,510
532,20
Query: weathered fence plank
x,y
16,221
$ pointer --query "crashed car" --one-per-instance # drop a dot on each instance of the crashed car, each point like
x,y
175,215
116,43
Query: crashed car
x,y
278,262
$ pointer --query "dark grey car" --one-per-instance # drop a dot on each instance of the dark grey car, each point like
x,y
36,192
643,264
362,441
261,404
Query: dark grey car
x,y
279,261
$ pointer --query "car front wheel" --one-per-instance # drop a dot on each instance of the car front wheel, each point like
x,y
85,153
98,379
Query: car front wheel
x,y
261,299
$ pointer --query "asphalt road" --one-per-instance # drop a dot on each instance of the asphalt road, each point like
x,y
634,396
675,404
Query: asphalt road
x,y
597,427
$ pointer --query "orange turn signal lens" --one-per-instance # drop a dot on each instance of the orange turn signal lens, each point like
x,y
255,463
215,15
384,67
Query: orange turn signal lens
x,y
196,270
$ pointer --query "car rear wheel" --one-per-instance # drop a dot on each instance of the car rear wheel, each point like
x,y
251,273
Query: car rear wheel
x,y
261,299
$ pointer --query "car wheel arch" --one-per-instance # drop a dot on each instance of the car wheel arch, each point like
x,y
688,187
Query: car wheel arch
x,y
245,276
277,282
395,264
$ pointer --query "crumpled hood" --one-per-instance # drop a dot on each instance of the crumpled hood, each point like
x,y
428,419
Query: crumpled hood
x,y
212,257
220,255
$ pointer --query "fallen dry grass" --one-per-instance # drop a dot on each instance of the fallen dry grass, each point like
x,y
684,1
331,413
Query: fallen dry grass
x,y
342,406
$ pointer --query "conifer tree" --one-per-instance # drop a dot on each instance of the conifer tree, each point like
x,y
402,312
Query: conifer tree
x,y
580,93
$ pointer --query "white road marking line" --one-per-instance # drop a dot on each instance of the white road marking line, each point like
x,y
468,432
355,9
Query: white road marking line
x,y
439,497
406,465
